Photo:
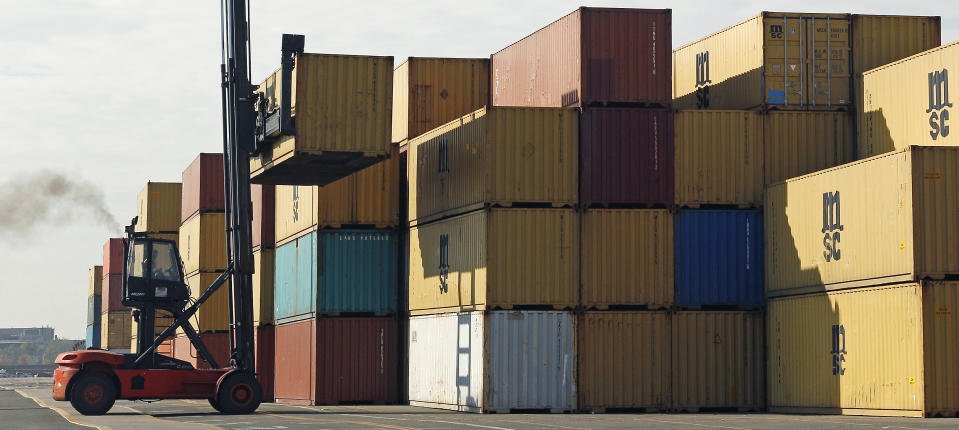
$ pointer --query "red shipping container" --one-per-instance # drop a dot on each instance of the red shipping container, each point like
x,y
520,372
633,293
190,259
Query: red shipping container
x,y
627,157
264,213
591,56
264,343
202,186
113,257
217,343
110,294
346,360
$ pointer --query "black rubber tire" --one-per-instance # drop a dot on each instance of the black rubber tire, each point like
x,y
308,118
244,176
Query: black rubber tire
x,y
240,393
93,393
214,404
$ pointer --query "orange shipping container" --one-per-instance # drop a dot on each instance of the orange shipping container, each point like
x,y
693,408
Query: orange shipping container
x,y
429,92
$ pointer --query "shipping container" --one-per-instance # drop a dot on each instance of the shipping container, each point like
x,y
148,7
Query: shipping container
x,y
294,211
111,293
342,107
591,56
203,243
624,361
429,92
95,281
719,258
627,157
214,315
495,259
494,157
158,207
161,320
498,361
264,345
336,360
112,257
202,188
774,60
897,222
94,309
164,348
797,143
93,335
887,350
719,361
217,343
115,331
719,158
336,272
263,277
907,103
626,258
264,215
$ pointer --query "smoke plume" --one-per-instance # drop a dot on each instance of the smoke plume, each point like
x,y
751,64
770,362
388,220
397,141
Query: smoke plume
x,y
47,198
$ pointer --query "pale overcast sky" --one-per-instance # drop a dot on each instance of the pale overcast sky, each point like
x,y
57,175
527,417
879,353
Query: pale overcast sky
x,y
118,92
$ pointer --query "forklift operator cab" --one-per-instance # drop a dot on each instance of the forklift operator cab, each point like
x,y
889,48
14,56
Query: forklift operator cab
x,y
154,274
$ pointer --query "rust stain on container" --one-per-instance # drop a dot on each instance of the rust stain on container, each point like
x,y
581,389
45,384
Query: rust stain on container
x,y
202,189
797,143
591,56
429,92
264,213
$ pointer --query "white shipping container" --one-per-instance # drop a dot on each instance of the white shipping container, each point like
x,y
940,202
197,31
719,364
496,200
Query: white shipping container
x,y
495,361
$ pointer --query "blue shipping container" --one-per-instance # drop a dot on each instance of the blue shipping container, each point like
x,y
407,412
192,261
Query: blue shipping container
x,y
719,258
336,272
93,336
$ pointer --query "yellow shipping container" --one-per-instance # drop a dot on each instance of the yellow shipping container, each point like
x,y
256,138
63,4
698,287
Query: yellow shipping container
x,y
774,60
627,258
429,92
886,350
115,330
495,259
263,262
214,314
797,143
162,320
203,243
158,207
495,156
95,281
624,361
907,103
294,210
719,158
897,221
341,107
718,361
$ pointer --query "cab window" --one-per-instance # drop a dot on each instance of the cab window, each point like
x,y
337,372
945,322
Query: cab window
x,y
137,260
165,266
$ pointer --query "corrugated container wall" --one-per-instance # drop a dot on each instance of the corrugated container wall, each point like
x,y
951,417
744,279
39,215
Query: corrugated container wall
x,y
336,360
719,158
158,207
214,315
95,281
624,361
264,345
203,243
493,362
626,258
897,220
829,353
264,215
112,257
111,293
202,189
369,197
94,309
719,361
774,60
263,263
115,330
161,320
907,103
591,56
627,157
719,258
429,92
330,142
93,336
217,343
496,156
495,259
797,143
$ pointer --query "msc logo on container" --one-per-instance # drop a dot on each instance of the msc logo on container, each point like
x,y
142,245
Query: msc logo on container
x,y
938,102
838,352
702,80
831,225
444,267
296,203
775,32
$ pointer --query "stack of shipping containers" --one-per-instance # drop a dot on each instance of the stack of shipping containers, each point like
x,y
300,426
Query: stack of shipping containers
x,y
264,252
863,258
93,306
336,255
115,327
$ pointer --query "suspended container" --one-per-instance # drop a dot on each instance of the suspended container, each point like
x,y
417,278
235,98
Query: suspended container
x,y
429,92
797,143
202,186
158,207
341,107
202,242
500,361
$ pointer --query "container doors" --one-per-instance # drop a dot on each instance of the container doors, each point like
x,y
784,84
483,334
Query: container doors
x,y
807,61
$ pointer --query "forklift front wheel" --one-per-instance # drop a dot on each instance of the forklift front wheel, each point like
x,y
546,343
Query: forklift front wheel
x,y
93,394
215,405
239,393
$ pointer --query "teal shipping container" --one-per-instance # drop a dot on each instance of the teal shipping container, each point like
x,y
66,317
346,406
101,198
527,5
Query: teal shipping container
x,y
336,273
93,336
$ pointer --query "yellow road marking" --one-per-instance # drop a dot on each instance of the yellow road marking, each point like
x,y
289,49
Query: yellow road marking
x,y
695,424
66,415
546,425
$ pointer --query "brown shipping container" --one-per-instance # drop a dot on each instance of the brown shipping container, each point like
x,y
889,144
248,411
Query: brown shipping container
x,y
113,257
429,92
115,330
264,260
217,343
797,143
718,361
95,282
202,186
264,215
264,344
624,361
164,348
158,207
346,360
591,56
110,293
341,108
203,243
627,258
627,157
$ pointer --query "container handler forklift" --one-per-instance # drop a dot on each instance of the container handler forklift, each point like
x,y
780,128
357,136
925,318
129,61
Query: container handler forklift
x,y
153,272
